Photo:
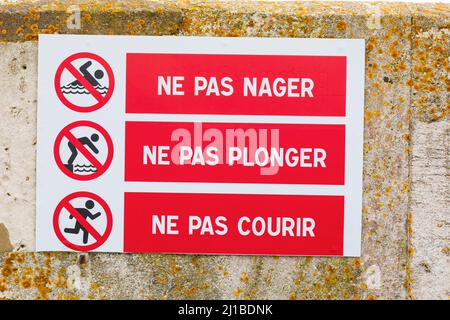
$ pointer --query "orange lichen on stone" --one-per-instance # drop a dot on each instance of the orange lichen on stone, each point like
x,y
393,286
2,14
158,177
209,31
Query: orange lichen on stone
x,y
341,25
61,278
369,115
405,186
191,292
330,279
86,17
34,27
237,293
8,267
174,268
26,282
244,277
50,29
409,280
396,79
161,280
393,49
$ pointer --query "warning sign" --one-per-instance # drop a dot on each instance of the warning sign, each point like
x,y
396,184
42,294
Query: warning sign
x,y
253,145
82,221
84,82
83,150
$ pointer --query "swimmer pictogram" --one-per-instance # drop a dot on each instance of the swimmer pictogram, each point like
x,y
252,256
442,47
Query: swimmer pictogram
x,y
84,82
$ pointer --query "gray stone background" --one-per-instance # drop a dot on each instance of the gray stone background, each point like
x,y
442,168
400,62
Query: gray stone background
x,y
406,205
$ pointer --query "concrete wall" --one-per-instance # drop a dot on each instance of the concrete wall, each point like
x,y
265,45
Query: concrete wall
x,y
406,206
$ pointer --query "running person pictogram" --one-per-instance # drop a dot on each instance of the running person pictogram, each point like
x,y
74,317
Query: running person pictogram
x,y
85,213
83,150
82,221
84,82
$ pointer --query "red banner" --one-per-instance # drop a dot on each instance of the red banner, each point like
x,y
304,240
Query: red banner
x,y
236,84
234,224
240,153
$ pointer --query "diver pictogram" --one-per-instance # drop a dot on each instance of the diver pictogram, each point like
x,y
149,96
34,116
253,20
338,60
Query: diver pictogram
x,y
83,150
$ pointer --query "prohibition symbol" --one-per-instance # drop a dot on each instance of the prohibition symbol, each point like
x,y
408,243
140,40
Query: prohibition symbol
x,y
82,221
83,150
84,82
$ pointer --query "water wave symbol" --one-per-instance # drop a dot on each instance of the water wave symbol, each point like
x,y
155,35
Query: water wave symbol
x,y
84,168
79,89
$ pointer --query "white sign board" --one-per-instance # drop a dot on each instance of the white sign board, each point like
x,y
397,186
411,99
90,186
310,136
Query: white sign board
x,y
200,145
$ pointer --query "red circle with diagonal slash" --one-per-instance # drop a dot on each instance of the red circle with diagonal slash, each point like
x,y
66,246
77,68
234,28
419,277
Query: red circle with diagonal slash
x,y
65,204
67,64
65,133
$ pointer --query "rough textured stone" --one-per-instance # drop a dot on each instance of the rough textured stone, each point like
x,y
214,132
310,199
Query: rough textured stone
x,y
5,243
430,195
402,42
430,80
18,62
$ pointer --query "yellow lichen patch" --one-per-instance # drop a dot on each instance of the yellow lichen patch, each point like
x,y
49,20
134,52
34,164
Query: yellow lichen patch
x,y
330,278
237,293
26,271
161,280
393,49
3,286
67,297
405,186
61,280
86,17
187,276
318,287
6,271
396,79
50,29
371,43
26,282
244,277
370,115
341,25
34,27
191,292
430,80
174,267
31,37
335,279
409,280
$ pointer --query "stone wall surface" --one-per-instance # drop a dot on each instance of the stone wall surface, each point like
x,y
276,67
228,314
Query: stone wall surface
x,y
406,183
